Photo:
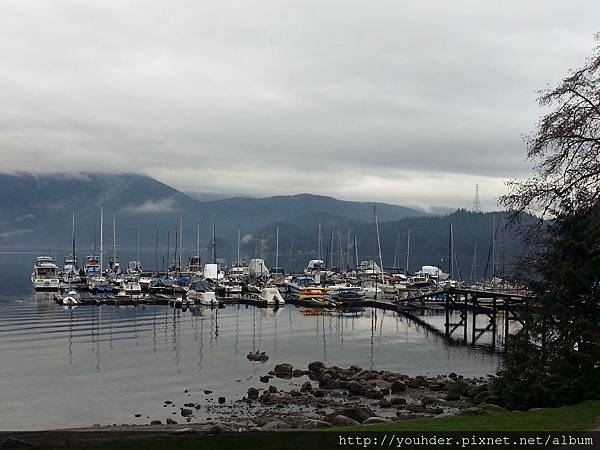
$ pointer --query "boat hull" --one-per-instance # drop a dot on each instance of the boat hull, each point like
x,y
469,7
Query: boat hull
x,y
46,284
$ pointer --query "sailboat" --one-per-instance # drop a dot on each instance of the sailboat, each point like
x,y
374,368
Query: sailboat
x,y
374,287
70,273
114,268
98,283
135,267
277,273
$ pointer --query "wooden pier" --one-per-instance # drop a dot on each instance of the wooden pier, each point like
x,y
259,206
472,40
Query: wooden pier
x,y
491,304
479,310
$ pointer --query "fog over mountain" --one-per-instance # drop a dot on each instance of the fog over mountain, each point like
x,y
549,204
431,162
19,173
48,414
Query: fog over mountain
x,y
36,213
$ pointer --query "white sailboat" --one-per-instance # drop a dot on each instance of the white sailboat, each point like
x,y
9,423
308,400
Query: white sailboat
x,y
70,273
98,282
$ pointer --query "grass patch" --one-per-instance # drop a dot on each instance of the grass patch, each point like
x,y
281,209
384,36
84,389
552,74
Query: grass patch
x,y
569,418
583,416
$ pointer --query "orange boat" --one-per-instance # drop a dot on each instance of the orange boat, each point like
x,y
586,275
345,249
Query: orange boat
x,y
312,292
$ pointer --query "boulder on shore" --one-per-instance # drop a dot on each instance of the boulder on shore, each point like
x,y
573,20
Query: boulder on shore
x,y
283,370
185,412
375,419
354,387
306,387
314,423
374,393
452,395
398,386
358,413
398,401
344,421
257,356
316,367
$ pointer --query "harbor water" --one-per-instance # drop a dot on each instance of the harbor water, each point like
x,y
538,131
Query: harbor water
x,y
89,365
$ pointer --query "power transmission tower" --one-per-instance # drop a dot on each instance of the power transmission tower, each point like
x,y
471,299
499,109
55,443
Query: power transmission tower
x,y
476,201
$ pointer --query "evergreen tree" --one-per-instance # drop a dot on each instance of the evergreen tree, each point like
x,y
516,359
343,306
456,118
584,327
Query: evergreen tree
x,y
555,358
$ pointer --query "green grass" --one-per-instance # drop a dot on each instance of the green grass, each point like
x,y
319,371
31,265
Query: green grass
x,y
580,417
583,416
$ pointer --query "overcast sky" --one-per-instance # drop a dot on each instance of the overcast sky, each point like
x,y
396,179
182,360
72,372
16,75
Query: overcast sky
x,y
409,102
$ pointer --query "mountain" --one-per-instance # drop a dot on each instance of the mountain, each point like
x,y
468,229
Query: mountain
x,y
429,243
35,211
263,211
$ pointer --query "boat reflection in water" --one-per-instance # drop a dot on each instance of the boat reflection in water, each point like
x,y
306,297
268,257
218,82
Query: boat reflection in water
x,y
117,359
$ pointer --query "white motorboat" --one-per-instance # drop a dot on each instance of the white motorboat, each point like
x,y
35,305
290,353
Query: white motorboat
x,y
202,292
45,274
204,298
314,266
272,296
145,279
131,286
257,268
70,273
71,298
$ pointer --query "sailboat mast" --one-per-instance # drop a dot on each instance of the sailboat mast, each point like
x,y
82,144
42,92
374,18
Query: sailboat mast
x,y
341,259
330,250
319,245
355,254
156,250
176,244
114,240
407,250
473,276
168,248
73,243
493,247
277,249
138,242
396,250
450,262
348,250
291,253
101,237
198,241
378,240
238,247
180,265
214,244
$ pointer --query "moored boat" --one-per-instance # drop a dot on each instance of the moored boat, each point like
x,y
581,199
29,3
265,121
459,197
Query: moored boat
x,y
45,274
131,286
272,296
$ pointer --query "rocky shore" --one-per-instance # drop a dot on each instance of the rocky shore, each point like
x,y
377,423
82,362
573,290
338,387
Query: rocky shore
x,y
321,396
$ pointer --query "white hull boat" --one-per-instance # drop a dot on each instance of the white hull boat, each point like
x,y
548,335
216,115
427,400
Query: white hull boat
x,y
45,275
272,296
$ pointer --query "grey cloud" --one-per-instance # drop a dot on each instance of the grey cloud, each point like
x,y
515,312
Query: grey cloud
x,y
412,102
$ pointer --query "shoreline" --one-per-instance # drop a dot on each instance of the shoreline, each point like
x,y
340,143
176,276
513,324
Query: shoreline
x,y
317,397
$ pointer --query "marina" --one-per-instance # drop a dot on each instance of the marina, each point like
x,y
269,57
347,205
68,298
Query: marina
x,y
321,286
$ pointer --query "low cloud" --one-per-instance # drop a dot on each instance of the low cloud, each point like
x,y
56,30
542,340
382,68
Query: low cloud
x,y
153,206
15,233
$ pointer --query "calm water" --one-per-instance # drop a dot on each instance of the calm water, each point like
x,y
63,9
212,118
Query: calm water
x,y
77,367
